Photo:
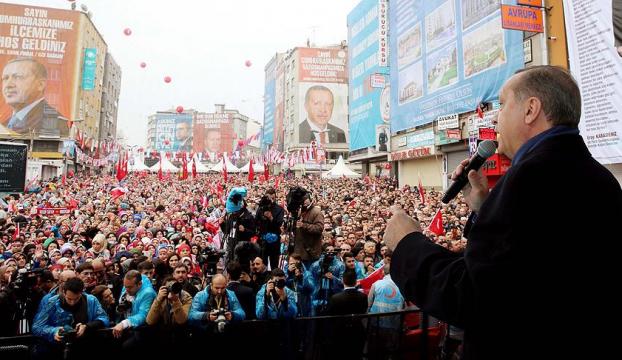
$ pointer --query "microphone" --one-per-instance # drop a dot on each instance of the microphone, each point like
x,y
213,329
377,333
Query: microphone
x,y
485,149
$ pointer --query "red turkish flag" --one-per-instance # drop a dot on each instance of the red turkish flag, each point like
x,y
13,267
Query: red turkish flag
x,y
421,191
251,172
266,172
194,168
16,233
436,226
160,176
367,282
480,113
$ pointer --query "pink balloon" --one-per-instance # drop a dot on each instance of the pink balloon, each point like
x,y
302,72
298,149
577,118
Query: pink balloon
x,y
127,31
167,79
143,64
248,63
180,109
166,142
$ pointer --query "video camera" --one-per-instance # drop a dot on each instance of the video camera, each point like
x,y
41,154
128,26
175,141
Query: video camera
x,y
209,255
327,260
25,282
68,334
295,198
265,204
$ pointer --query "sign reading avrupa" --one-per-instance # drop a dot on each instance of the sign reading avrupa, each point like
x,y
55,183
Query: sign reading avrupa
x,y
521,18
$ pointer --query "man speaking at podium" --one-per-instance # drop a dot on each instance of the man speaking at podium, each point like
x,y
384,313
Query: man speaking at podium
x,y
540,244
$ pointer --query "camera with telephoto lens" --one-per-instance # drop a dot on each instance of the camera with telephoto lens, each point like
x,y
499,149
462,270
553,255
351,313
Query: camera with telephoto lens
x,y
265,204
279,283
221,320
295,198
25,282
209,255
124,304
175,288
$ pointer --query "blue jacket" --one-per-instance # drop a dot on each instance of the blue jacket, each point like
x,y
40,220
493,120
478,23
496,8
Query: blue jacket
x,y
142,302
322,292
269,311
303,290
360,271
199,308
52,316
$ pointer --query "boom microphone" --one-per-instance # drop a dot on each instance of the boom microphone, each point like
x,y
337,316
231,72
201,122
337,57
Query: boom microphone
x,y
485,149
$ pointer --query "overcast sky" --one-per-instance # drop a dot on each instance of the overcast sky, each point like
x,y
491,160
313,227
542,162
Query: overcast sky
x,y
203,45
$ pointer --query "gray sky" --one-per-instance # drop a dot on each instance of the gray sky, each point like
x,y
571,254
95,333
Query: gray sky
x,y
202,45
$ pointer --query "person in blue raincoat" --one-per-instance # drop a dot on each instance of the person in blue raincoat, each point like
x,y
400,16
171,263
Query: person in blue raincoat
x,y
204,312
299,279
67,317
275,300
327,273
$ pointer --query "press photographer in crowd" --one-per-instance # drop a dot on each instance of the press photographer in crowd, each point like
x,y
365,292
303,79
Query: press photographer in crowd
x,y
215,306
309,227
327,275
65,319
269,220
238,226
299,279
275,300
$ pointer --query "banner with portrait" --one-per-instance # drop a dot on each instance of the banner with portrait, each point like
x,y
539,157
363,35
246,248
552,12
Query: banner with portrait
x,y
213,133
323,113
39,61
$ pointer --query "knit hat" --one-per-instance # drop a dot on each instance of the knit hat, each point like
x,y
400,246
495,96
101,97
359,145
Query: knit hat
x,y
65,248
47,242
235,200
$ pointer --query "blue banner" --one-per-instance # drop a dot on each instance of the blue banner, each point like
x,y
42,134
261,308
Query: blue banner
x,y
268,112
446,57
89,68
173,132
367,79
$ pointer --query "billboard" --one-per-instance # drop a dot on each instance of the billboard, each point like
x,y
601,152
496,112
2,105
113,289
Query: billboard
x,y
269,103
12,167
595,27
173,132
322,65
279,107
447,56
89,69
367,79
323,113
39,70
213,133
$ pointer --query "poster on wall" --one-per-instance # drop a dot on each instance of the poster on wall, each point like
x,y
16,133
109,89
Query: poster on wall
x,y
38,60
213,133
595,27
448,56
173,132
323,113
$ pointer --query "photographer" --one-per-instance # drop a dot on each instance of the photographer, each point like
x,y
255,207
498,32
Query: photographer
x,y
171,306
269,220
309,227
136,298
180,275
66,318
275,300
299,279
327,273
238,226
213,307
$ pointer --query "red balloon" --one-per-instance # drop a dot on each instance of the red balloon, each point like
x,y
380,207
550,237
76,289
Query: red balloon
x,y
143,64
127,31
180,109
167,79
167,141
248,63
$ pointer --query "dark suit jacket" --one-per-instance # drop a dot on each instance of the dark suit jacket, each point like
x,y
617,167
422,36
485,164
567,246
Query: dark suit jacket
x,y
539,255
246,297
335,135
350,301
45,120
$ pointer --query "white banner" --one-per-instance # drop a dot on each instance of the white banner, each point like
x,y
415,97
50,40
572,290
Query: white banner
x,y
447,122
383,33
594,33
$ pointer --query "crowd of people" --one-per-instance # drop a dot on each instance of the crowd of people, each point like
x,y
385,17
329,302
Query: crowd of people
x,y
77,255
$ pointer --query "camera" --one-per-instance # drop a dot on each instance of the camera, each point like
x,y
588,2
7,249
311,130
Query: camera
x,y
124,304
327,261
68,334
265,204
209,255
295,198
279,283
175,288
221,320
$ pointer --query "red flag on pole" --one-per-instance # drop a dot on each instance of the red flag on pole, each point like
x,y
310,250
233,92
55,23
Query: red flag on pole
x,y
266,172
184,170
251,171
479,110
194,168
224,169
436,226
16,233
421,191
160,176
118,192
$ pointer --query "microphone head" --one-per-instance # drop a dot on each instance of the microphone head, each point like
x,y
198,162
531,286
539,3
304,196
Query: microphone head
x,y
486,149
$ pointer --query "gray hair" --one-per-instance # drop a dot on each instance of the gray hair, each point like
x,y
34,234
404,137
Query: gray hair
x,y
38,69
556,89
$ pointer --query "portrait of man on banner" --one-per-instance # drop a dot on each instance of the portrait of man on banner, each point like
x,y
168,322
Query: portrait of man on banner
x,y
319,103
24,81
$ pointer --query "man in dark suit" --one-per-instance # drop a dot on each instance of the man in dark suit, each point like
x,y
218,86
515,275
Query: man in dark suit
x,y
350,332
537,245
319,102
244,293
23,87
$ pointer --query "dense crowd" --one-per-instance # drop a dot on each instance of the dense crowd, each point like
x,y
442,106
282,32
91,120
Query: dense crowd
x,y
152,252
